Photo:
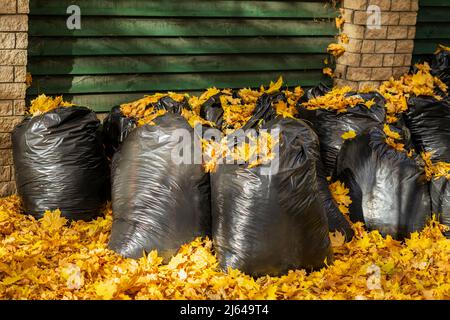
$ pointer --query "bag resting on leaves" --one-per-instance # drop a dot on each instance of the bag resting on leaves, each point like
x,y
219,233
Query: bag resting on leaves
x,y
157,204
60,163
269,224
440,200
389,191
429,122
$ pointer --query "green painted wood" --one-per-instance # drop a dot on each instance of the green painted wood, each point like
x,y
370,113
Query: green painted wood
x,y
120,26
128,48
164,82
173,64
422,47
434,14
103,46
433,3
164,8
433,31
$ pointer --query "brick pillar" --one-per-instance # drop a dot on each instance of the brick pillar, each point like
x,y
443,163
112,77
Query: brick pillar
x,y
376,54
13,61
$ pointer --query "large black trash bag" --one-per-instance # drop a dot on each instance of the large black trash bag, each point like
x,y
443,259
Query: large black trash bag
x,y
330,125
271,223
263,113
157,204
60,163
388,189
440,200
116,128
428,120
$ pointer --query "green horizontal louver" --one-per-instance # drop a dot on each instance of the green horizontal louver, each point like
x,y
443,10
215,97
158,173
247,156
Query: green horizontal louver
x,y
433,27
128,48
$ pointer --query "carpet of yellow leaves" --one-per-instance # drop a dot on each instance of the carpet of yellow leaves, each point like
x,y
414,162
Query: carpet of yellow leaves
x,y
47,259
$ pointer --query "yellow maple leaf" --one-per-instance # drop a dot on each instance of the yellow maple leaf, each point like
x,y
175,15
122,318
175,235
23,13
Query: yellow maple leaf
x,y
337,239
369,103
348,135
336,49
343,38
52,221
328,71
339,22
274,86
106,289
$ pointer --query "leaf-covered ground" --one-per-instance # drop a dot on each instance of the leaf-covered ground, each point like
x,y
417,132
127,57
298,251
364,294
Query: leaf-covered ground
x,y
47,259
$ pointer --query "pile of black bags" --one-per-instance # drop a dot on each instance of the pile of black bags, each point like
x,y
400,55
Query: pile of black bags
x,y
59,163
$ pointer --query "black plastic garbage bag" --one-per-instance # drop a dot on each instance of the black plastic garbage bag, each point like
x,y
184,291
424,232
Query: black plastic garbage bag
x,y
116,128
265,112
157,203
440,200
269,223
388,189
59,162
330,125
429,122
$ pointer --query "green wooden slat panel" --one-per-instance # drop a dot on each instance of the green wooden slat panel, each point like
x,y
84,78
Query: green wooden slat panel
x,y
47,46
437,3
186,8
432,31
173,64
429,46
101,26
434,14
163,82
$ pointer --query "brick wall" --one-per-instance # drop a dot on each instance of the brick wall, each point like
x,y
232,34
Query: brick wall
x,y
13,61
375,54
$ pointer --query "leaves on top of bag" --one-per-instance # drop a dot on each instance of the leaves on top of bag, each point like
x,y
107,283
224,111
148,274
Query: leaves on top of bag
x,y
196,102
348,135
435,170
235,112
43,104
397,92
274,87
441,48
336,99
285,110
392,138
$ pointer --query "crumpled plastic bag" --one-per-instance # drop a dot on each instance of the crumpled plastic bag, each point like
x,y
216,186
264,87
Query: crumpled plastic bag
x,y
157,204
271,223
60,163
389,190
